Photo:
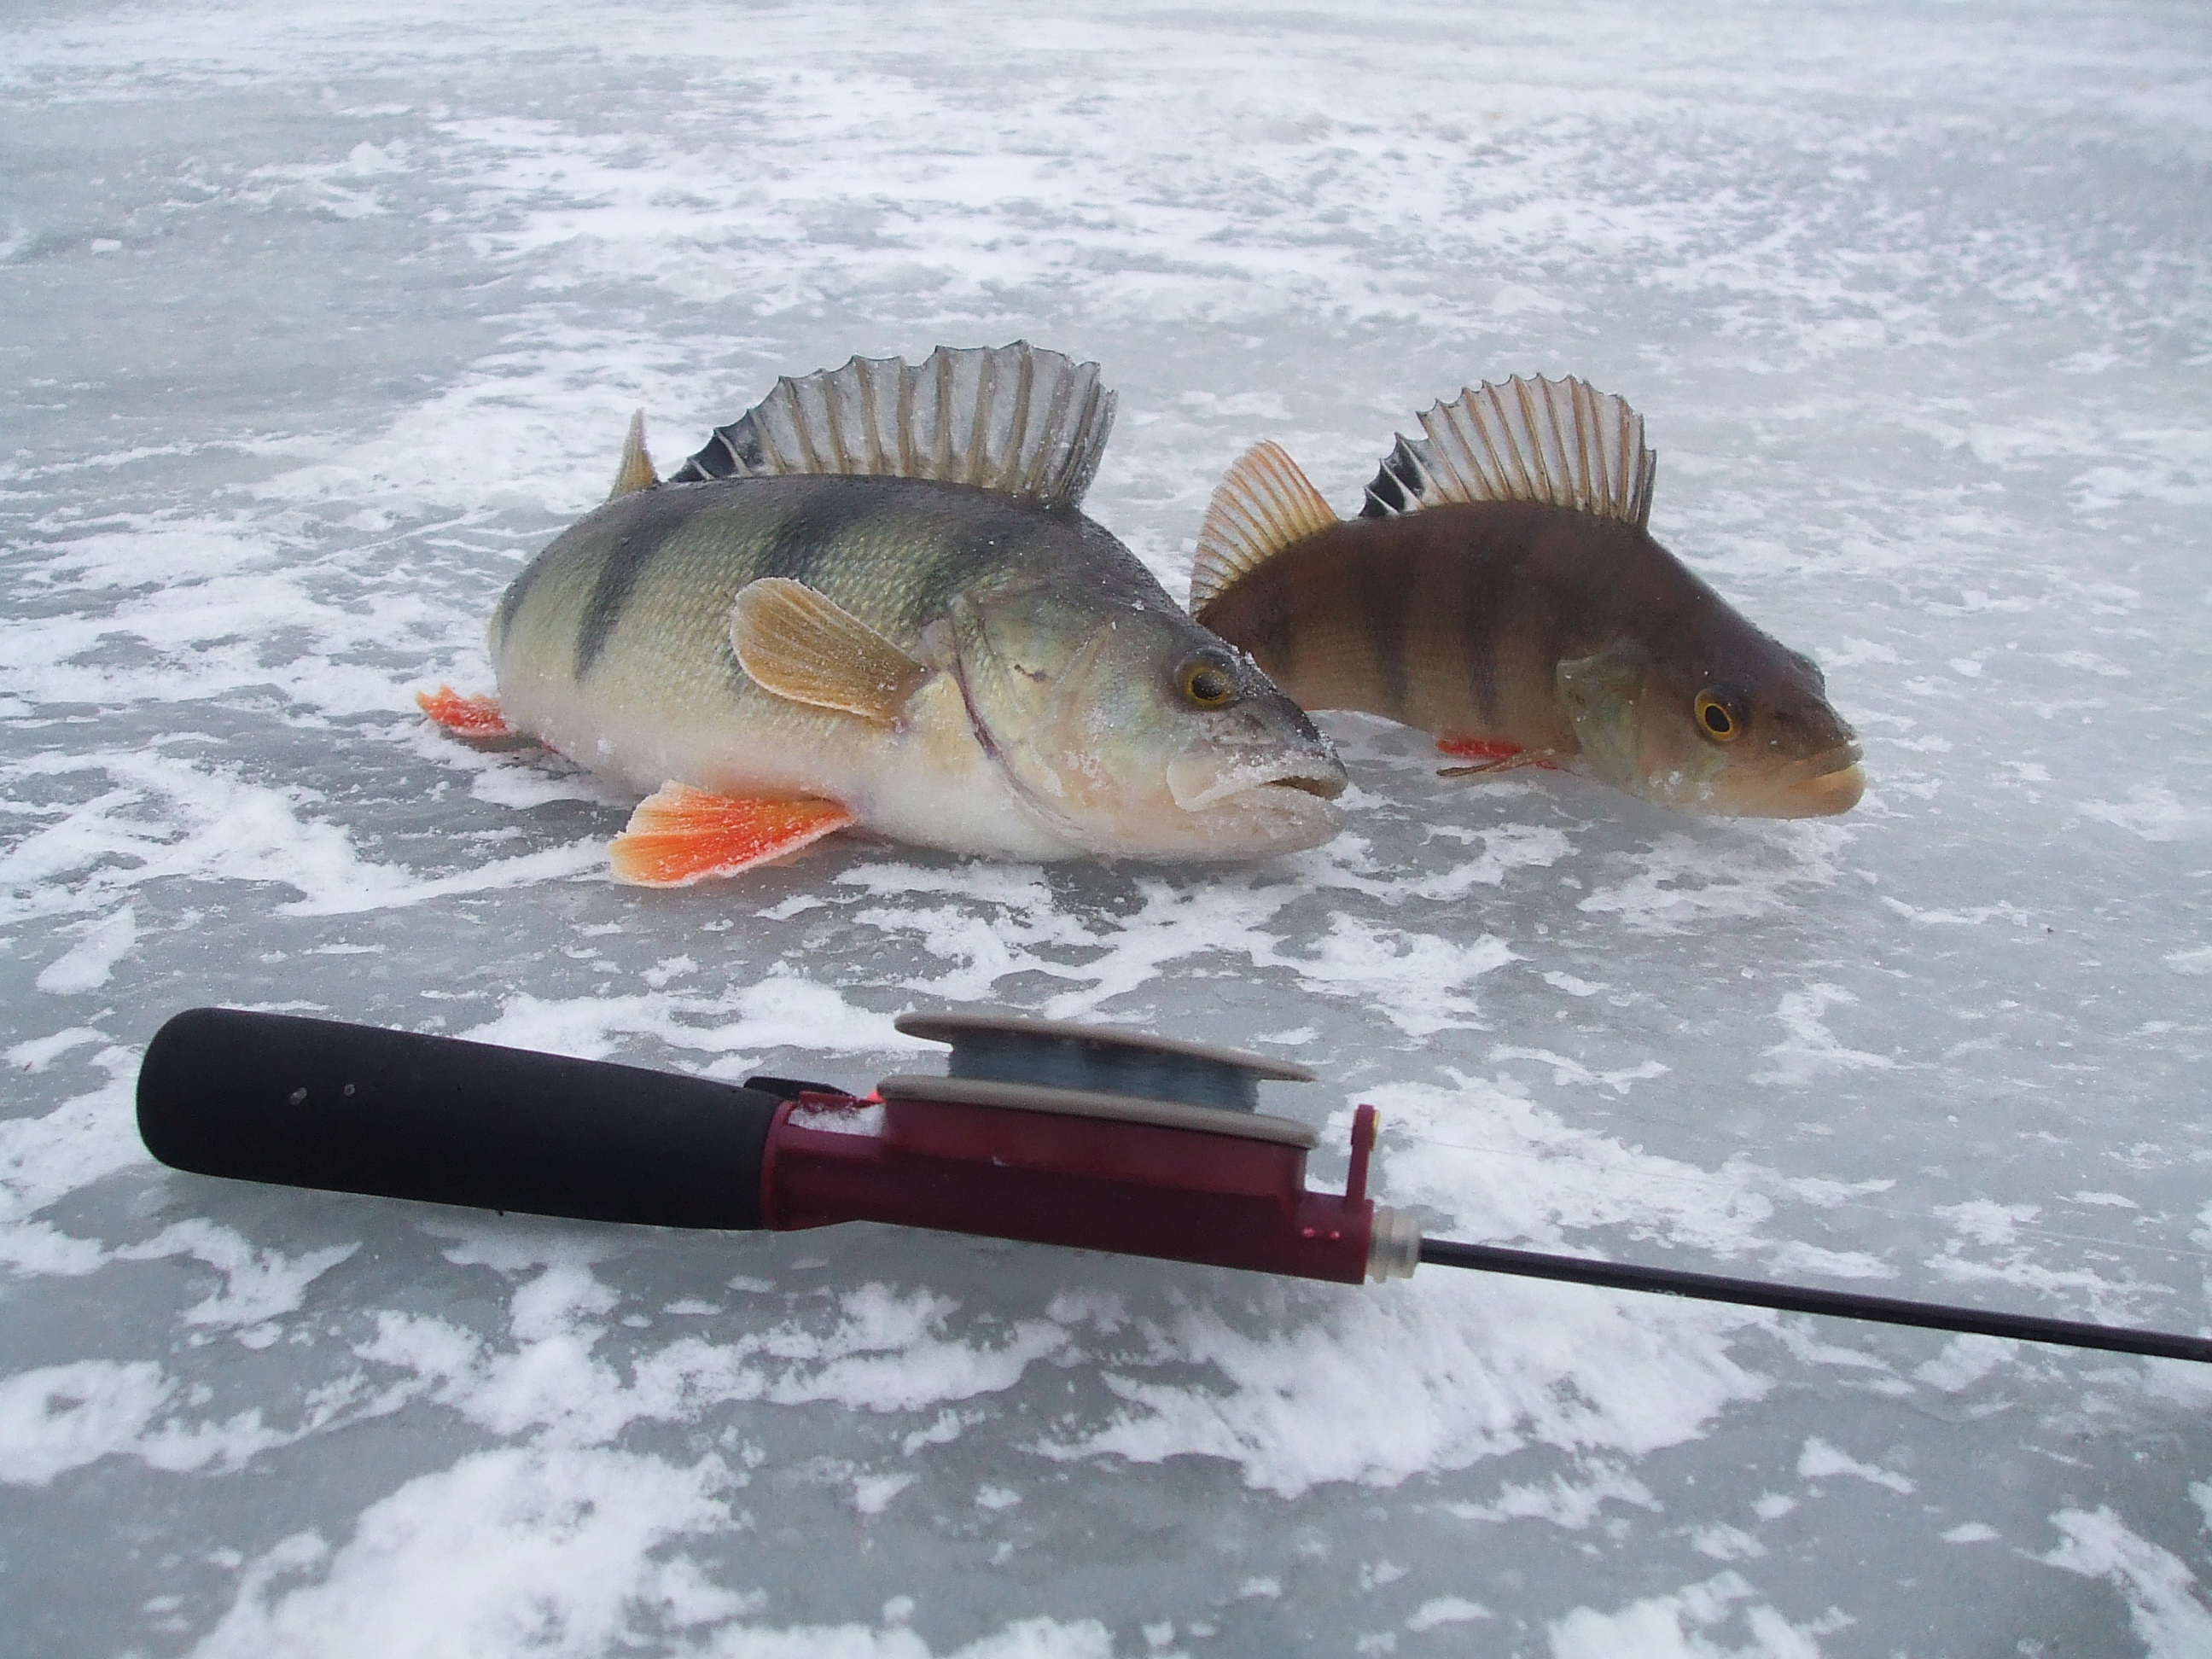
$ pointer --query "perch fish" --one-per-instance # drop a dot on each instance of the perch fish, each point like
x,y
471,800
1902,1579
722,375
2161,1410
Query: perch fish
x,y
1500,591
872,600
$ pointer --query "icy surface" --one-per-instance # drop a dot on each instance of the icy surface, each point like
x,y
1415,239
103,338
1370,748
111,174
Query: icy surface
x,y
321,318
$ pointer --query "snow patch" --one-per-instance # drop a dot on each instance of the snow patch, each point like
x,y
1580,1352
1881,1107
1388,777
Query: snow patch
x,y
1446,1610
507,1552
1685,881
1965,1361
2164,1606
258,1284
1421,1377
2151,812
36,1053
87,965
164,818
782,1011
1820,1460
887,1353
1419,981
1811,1050
1566,1504
1693,1623
1501,1167
63,1417
46,1159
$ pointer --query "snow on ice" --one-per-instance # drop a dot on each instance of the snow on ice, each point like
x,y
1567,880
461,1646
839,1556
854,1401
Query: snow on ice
x,y
323,318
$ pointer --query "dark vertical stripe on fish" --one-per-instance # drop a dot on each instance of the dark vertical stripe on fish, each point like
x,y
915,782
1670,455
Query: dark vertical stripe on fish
x,y
948,556
1386,613
618,579
983,543
1482,595
511,601
812,530
1264,614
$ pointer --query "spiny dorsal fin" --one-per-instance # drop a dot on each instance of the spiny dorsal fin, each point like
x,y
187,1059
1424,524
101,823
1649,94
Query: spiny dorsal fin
x,y
1560,441
1262,506
636,471
802,645
1026,421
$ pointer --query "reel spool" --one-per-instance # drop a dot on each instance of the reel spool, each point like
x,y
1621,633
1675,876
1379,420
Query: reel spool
x,y
1096,1072
1086,1136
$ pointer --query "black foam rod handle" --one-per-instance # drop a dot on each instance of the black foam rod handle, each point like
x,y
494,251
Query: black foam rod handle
x,y
354,1108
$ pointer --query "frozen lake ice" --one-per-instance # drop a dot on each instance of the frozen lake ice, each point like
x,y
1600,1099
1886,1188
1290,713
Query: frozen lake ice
x,y
322,318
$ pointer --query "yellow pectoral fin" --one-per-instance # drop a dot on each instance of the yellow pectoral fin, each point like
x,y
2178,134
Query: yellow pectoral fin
x,y
683,835
800,644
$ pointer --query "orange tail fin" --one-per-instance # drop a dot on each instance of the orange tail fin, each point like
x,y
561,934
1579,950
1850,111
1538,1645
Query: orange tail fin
x,y
464,717
683,835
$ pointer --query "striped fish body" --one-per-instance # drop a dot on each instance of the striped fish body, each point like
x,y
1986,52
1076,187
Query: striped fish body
x,y
1455,619
613,647
1500,591
1049,716
873,600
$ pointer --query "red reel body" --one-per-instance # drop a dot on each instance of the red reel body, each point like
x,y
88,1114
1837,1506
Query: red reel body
x,y
1228,1199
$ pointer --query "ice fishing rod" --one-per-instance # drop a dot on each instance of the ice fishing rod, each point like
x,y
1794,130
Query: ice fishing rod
x,y
1042,1132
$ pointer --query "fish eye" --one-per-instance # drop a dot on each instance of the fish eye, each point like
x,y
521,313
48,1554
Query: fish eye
x,y
1206,683
1720,716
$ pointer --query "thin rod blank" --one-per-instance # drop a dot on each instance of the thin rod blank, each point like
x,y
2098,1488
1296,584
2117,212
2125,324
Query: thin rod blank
x,y
1791,1299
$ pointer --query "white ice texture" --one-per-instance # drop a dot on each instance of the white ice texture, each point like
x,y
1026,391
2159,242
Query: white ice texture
x,y
320,317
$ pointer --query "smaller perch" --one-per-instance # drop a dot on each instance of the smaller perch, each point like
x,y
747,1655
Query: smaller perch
x,y
1500,590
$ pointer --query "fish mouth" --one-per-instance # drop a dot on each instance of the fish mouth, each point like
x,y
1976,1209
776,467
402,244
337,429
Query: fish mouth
x,y
1820,786
1200,781
1326,789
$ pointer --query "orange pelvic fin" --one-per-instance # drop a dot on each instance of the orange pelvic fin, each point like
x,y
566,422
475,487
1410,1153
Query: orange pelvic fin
x,y
464,717
1489,754
684,834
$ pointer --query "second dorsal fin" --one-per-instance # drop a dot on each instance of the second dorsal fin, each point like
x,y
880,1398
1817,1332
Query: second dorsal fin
x,y
1262,505
1017,419
1563,442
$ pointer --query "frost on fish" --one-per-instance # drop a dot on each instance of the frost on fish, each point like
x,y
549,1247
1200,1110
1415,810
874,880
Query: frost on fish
x,y
872,600
1500,590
